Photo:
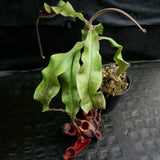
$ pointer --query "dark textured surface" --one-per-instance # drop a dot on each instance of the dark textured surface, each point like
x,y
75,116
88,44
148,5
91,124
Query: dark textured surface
x,y
130,132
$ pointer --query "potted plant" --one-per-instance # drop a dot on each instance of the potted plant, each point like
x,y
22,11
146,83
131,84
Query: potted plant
x,y
79,73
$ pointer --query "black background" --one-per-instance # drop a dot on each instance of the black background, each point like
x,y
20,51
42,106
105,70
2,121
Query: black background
x,y
19,47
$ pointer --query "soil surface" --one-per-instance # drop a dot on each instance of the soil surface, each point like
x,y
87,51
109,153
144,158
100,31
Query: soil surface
x,y
110,83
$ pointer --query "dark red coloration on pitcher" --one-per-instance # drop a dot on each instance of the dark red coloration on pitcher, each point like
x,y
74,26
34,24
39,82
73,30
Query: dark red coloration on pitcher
x,y
76,147
69,129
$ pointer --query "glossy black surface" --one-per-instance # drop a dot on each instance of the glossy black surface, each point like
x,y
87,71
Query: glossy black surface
x,y
130,131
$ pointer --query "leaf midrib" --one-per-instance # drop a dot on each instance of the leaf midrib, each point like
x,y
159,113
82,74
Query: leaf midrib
x,y
90,69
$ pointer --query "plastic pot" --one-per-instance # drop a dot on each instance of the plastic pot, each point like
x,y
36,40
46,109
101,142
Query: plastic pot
x,y
111,101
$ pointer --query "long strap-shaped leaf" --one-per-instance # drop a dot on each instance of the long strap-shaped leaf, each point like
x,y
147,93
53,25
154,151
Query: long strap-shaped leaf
x,y
89,77
49,86
63,8
70,96
122,64
67,10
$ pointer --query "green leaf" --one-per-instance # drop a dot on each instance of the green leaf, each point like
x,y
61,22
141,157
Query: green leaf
x,y
66,9
70,96
62,8
89,77
46,12
84,32
122,64
47,7
49,86
98,28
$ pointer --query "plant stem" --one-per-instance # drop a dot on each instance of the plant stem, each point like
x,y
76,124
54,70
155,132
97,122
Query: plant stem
x,y
56,109
38,38
113,10
78,130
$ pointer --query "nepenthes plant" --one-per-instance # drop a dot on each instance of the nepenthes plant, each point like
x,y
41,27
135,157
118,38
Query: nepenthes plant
x,y
78,73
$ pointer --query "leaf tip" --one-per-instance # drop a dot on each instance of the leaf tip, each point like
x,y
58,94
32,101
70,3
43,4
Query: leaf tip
x,y
47,7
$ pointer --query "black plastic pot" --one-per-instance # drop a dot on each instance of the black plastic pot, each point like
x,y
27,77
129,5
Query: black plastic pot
x,y
111,101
